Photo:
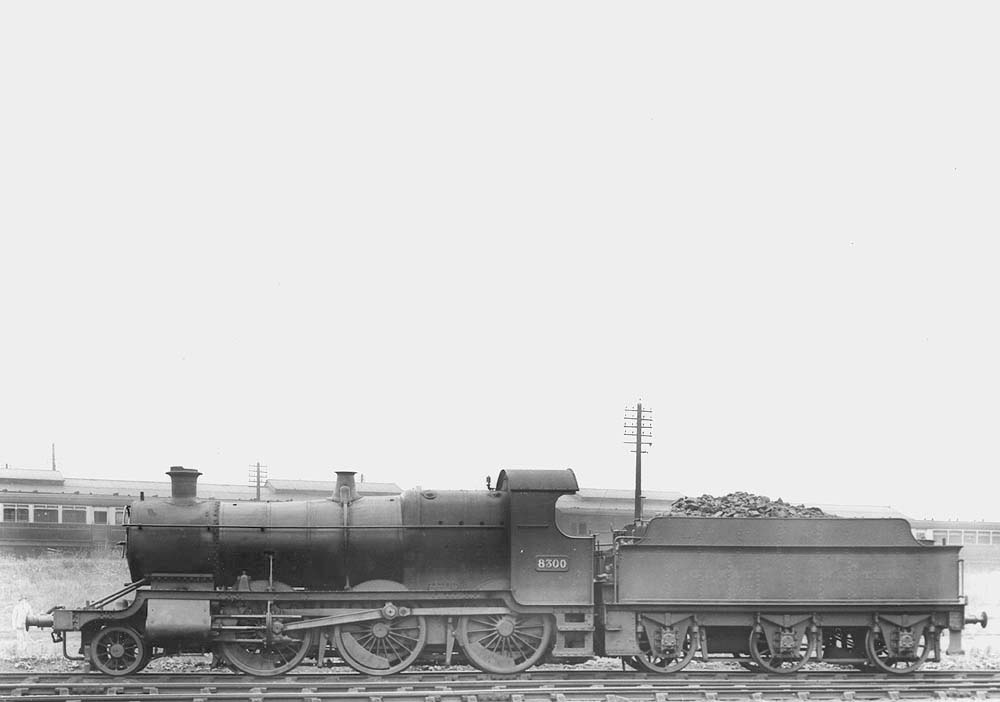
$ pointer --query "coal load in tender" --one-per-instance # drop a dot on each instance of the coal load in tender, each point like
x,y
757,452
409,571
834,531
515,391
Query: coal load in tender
x,y
741,504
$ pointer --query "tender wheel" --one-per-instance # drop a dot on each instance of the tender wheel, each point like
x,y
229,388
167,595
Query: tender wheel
x,y
760,651
505,643
381,647
656,663
878,654
118,650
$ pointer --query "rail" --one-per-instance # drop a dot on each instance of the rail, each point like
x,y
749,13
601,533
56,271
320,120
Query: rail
x,y
536,686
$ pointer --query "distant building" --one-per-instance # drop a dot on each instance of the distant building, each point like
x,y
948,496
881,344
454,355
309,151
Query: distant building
x,y
318,489
957,533
600,511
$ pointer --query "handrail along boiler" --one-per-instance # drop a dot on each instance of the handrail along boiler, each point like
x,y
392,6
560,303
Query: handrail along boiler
x,y
486,577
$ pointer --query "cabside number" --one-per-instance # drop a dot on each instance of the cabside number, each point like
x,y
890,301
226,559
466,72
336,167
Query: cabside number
x,y
552,564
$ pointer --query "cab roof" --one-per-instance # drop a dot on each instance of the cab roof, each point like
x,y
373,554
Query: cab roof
x,y
537,481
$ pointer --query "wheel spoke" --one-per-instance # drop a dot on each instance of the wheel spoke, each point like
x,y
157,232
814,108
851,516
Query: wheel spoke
x,y
403,637
489,640
392,649
522,645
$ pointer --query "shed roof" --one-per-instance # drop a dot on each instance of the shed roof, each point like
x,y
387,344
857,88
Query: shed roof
x,y
953,524
597,501
328,486
30,475
151,488
628,495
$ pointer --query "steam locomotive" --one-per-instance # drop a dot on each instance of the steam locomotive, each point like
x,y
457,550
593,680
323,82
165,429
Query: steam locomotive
x,y
487,578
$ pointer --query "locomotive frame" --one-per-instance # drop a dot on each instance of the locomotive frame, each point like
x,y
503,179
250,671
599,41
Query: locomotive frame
x,y
488,578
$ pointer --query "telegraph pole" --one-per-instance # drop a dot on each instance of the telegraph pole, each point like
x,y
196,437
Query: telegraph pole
x,y
638,433
257,471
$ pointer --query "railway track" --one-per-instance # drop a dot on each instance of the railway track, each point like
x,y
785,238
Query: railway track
x,y
538,686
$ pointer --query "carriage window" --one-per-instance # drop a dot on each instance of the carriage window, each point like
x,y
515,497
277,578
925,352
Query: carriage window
x,y
15,513
983,537
48,514
74,515
119,516
100,516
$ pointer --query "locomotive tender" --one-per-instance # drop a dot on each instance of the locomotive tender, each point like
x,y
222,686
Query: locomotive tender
x,y
487,578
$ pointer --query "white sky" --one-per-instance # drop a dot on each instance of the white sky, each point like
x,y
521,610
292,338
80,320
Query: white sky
x,y
430,240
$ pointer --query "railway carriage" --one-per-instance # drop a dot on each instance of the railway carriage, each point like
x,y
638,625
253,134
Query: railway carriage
x,y
487,578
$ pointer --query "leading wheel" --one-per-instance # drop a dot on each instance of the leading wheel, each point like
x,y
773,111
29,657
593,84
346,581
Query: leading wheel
x,y
778,662
879,656
118,650
381,647
505,643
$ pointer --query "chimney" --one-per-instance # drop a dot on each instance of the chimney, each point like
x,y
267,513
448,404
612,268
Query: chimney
x,y
183,483
345,492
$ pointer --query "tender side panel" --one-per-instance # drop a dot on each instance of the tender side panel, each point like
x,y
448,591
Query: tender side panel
x,y
809,574
768,561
